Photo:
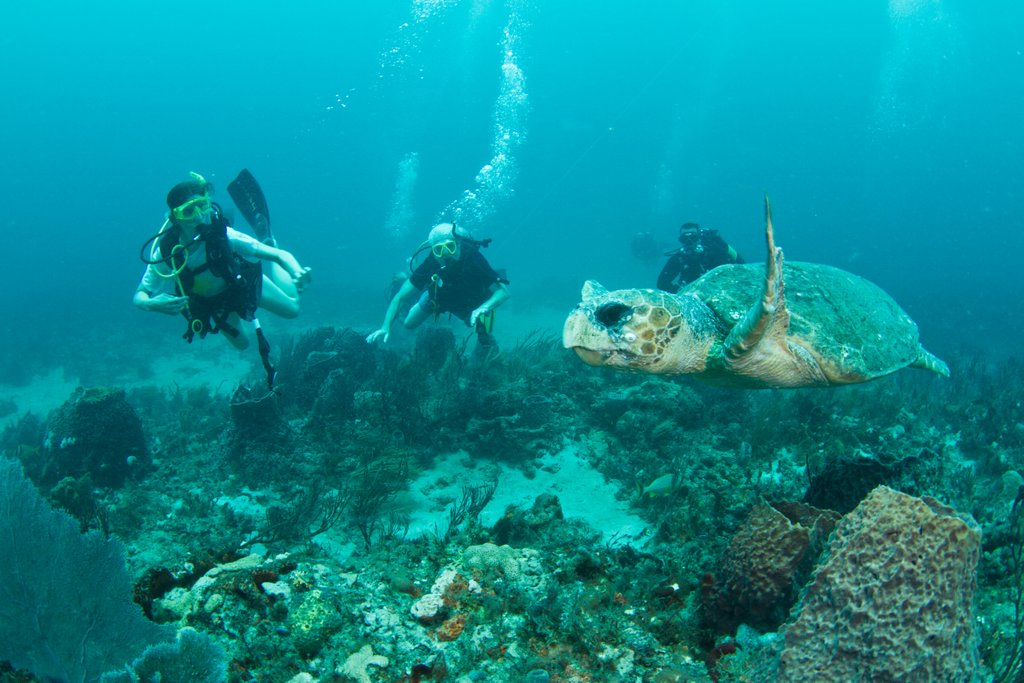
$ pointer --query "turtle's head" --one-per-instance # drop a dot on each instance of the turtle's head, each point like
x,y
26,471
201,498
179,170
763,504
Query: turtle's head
x,y
639,329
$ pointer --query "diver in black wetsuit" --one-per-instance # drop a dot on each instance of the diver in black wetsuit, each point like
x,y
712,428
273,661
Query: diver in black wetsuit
x,y
701,251
455,278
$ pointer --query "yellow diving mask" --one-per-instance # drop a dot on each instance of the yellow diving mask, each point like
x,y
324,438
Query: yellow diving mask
x,y
446,248
192,209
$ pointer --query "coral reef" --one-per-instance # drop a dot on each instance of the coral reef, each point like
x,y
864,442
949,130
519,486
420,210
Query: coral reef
x,y
95,432
193,658
843,481
65,598
358,664
256,413
765,564
293,529
893,601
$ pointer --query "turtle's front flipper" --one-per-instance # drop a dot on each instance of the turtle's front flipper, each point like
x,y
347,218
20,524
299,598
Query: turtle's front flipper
x,y
758,346
768,317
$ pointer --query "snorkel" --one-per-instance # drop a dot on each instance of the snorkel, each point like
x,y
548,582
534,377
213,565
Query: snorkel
x,y
425,246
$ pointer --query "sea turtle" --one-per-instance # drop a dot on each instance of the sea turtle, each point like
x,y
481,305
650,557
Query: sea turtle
x,y
820,327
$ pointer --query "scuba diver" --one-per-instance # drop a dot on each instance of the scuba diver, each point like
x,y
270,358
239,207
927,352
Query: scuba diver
x,y
455,278
200,267
701,251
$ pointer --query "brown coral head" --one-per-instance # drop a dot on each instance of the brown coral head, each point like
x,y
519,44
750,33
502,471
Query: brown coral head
x,y
262,576
452,628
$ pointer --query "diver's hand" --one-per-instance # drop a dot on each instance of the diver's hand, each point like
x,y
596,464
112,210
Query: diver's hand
x,y
166,303
302,277
483,310
377,334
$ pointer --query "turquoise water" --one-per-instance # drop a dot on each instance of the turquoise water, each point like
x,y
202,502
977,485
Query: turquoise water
x,y
887,135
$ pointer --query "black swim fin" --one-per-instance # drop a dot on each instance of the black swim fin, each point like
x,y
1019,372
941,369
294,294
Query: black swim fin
x,y
249,199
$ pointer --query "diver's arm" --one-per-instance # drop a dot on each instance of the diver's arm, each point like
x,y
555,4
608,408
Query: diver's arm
x,y
156,294
300,276
499,295
719,251
669,273
159,303
406,290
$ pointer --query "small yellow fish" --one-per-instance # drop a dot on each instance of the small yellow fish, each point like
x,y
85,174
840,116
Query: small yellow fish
x,y
662,486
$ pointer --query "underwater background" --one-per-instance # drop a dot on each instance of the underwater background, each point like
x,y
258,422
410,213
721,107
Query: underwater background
x,y
887,134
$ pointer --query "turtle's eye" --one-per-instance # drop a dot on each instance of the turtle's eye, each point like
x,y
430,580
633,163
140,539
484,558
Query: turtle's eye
x,y
612,315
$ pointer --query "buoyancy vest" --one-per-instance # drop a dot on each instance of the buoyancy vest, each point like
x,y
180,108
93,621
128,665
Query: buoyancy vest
x,y
244,280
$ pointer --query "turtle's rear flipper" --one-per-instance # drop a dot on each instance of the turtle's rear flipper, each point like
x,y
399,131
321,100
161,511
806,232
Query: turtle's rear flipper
x,y
929,361
249,198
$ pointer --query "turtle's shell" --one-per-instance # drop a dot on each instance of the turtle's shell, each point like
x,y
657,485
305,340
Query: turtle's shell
x,y
847,320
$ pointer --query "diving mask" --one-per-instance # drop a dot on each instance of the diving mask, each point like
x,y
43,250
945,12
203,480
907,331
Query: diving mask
x,y
192,209
690,236
446,248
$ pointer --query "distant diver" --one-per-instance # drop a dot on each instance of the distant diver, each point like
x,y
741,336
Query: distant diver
x,y
701,250
200,267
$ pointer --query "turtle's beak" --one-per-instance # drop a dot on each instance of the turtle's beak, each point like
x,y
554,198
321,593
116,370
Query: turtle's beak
x,y
587,337
574,326
589,356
